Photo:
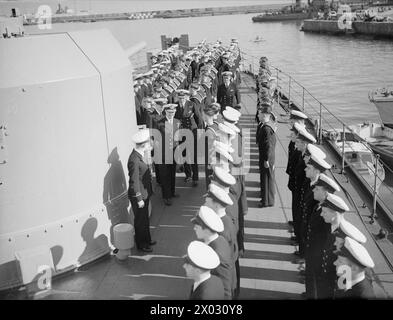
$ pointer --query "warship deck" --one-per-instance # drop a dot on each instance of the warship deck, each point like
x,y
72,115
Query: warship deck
x,y
268,270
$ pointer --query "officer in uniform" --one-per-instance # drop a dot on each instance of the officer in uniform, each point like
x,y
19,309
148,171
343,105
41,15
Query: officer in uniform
x,y
293,153
140,190
227,92
207,226
356,257
199,104
188,116
318,244
168,127
218,200
198,263
315,166
266,139
210,113
303,138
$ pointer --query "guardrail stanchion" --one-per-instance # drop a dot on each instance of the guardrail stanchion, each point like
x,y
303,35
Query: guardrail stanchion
x,y
303,100
289,93
320,123
374,213
343,152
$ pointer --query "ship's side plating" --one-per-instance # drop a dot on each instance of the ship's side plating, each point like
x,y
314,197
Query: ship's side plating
x,y
67,115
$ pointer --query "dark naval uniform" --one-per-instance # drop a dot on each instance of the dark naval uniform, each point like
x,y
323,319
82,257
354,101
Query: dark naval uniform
x,y
298,178
167,169
228,96
361,290
225,269
316,236
306,203
189,119
229,235
326,274
140,188
293,157
210,289
210,137
266,139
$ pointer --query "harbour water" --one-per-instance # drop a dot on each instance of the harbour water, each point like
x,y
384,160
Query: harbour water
x,y
339,71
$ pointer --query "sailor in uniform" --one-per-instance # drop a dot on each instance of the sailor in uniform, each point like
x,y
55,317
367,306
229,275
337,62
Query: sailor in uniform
x,y
266,140
198,263
227,92
207,226
355,256
333,210
218,200
311,224
168,127
319,243
210,113
188,116
198,104
293,153
237,190
140,189
303,138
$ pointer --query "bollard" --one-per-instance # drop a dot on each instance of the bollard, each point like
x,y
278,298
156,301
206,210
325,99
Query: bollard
x,y
123,239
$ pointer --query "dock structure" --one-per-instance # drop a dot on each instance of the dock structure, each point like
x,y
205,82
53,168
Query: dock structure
x,y
268,270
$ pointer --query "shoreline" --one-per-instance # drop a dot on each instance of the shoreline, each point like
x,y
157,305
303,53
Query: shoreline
x,y
156,14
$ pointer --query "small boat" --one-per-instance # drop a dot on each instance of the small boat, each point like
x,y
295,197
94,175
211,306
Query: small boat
x,y
383,100
357,154
258,39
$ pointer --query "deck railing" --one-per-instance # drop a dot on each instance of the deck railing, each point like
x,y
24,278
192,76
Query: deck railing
x,y
325,123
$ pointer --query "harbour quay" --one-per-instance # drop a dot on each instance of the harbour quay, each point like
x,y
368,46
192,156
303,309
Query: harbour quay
x,y
381,29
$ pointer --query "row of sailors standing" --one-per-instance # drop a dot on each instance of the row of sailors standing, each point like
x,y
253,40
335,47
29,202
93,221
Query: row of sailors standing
x,y
204,65
327,242
212,261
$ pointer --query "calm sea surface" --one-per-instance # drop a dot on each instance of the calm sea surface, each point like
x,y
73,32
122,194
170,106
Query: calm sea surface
x,y
339,71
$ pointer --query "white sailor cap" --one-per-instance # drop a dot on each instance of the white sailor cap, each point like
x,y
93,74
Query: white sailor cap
x,y
207,217
318,163
356,252
347,229
160,100
171,107
226,129
234,111
313,149
223,177
335,203
232,126
223,152
202,256
295,114
227,74
228,148
305,135
183,93
141,136
231,115
328,183
218,194
297,127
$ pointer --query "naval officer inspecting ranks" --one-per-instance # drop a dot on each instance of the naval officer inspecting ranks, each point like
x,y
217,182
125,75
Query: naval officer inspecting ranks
x,y
140,190
305,164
